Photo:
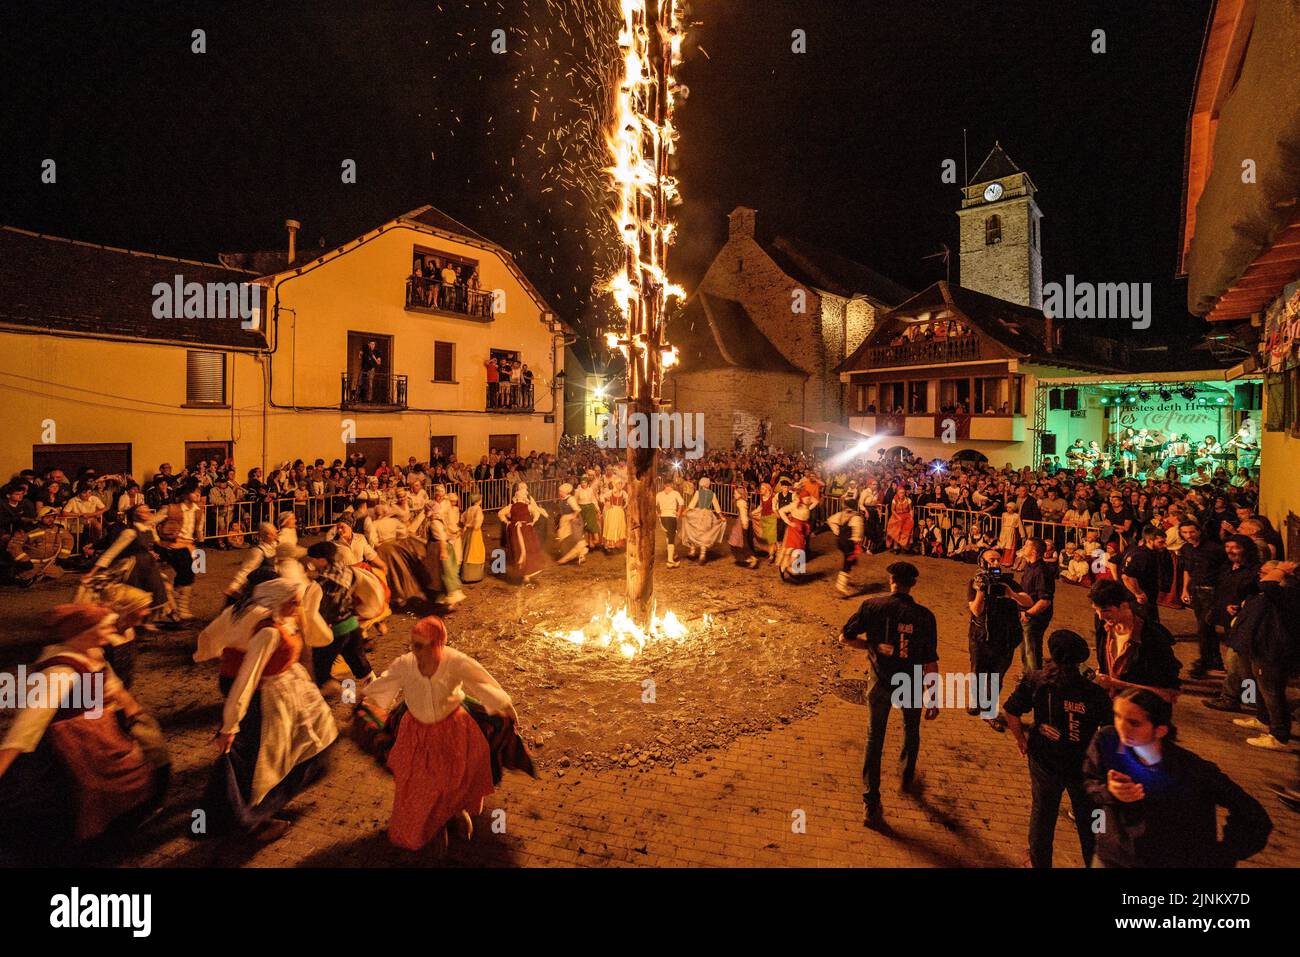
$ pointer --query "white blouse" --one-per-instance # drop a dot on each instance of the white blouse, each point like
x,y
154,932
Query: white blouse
x,y
432,698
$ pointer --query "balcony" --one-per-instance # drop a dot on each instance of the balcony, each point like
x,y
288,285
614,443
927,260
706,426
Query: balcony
x,y
926,352
507,397
454,298
378,391
931,425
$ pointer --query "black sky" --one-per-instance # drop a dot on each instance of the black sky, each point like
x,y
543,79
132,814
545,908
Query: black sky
x,y
167,151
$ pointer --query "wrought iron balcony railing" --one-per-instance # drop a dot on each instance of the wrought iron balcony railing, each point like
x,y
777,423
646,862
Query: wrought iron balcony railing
x,y
459,298
373,390
926,352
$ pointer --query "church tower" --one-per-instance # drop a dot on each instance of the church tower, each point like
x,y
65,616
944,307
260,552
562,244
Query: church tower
x,y
1001,233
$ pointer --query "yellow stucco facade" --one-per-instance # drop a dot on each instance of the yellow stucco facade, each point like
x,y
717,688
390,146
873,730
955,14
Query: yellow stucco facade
x,y
286,403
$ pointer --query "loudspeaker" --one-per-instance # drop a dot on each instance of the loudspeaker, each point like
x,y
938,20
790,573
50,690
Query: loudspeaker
x,y
1248,395
1053,399
1070,400
1047,443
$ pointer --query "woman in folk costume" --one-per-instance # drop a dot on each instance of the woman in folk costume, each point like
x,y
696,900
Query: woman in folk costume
x,y
374,597
441,762
586,497
523,550
275,726
132,557
784,496
614,526
133,606
798,527
704,525
412,573
763,521
83,755
471,521
570,530
742,536
1009,538
258,565
899,528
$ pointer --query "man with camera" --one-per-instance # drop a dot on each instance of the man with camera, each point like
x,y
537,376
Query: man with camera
x,y
995,630
899,635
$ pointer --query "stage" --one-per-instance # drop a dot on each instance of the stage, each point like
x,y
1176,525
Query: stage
x,y
1189,421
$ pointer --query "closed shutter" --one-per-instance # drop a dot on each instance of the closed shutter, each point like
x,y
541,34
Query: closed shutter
x,y
444,362
205,378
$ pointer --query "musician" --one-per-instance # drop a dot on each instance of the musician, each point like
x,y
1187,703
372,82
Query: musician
x,y
1094,452
1246,441
1175,448
1076,453
1208,451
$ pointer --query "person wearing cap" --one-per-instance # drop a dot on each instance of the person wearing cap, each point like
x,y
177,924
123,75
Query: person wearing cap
x,y
900,637
330,570
275,726
441,761
69,763
1068,709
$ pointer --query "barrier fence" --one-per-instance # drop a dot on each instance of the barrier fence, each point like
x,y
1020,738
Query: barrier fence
x,y
313,514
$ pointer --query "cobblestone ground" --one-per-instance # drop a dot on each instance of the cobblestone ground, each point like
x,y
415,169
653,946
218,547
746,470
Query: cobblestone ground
x,y
735,797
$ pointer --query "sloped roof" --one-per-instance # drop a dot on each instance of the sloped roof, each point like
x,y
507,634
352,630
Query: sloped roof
x,y
50,284
437,219
829,271
1020,330
995,166
711,332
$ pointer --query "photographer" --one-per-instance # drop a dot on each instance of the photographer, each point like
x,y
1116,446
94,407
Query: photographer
x,y
995,631
1035,597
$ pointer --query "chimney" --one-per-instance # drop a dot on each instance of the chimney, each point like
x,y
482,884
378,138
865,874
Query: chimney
x,y
741,223
293,226
1050,330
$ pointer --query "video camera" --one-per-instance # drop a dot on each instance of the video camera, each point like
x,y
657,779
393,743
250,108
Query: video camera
x,y
990,580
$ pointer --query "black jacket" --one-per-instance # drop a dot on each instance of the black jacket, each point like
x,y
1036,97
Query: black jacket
x,y
1176,824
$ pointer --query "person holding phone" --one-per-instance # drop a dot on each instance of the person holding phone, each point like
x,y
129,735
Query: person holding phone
x,y
1158,801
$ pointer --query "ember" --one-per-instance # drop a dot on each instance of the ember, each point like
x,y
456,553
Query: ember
x,y
616,629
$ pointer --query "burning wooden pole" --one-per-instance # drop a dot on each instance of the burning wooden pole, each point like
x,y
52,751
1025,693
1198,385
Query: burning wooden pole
x,y
642,143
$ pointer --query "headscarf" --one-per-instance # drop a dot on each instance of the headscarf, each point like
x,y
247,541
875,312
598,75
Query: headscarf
x,y
521,493
274,593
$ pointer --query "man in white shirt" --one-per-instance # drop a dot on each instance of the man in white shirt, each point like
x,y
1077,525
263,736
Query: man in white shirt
x,y
670,504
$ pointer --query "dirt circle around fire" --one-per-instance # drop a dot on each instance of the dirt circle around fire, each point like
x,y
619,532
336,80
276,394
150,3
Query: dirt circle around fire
x,y
764,656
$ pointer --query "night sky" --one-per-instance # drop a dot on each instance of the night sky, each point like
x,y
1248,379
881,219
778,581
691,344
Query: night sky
x,y
165,150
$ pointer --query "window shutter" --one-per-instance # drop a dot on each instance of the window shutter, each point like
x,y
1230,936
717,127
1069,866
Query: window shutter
x,y
205,378
444,369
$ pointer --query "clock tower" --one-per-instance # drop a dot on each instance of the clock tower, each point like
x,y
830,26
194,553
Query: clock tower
x,y
1001,233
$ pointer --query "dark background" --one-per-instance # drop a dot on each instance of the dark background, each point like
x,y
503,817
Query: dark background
x,y
166,151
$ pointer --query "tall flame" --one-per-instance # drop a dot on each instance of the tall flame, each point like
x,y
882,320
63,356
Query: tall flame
x,y
640,142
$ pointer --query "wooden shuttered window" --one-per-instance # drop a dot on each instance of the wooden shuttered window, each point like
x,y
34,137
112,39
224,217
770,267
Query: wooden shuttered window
x,y
444,362
205,378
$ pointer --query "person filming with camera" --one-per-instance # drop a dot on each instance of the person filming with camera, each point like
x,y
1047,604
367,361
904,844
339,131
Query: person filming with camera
x,y
995,631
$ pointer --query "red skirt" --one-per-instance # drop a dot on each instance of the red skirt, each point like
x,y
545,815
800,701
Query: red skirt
x,y
438,770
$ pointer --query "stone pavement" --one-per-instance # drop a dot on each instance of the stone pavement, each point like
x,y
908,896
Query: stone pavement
x,y
738,804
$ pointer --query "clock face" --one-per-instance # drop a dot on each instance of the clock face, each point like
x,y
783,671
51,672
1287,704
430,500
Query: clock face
x,y
993,191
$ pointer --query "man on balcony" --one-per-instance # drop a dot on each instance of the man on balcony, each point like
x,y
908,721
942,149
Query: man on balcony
x,y
370,363
493,380
448,277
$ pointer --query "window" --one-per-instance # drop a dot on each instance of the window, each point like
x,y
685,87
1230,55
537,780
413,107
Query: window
x,y
917,396
892,397
953,392
993,230
444,362
442,446
1033,233
860,398
205,378
990,394
196,452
